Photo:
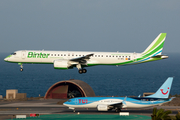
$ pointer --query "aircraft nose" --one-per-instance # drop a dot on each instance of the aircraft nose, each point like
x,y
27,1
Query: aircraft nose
x,y
5,59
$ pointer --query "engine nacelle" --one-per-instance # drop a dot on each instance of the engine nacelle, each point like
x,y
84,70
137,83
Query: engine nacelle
x,y
102,108
61,64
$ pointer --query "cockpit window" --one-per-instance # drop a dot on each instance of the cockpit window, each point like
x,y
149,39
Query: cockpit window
x,y
13,53
69,100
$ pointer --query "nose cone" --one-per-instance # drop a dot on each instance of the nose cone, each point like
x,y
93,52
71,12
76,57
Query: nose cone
x,y
5,59
65,104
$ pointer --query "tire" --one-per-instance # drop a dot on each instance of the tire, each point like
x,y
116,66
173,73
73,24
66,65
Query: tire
x,y
80,71
84,70
21,69
117,110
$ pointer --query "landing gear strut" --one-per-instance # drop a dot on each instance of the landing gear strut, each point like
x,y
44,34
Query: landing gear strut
x,y
82,71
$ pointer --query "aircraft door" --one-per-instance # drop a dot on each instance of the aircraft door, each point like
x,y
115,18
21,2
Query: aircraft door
x,y
23,54
134,56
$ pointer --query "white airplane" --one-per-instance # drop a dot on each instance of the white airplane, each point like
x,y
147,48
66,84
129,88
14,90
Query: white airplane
x,y
70,59
117,103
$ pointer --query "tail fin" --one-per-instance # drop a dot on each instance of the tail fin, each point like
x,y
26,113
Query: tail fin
x,y
155,48
164,90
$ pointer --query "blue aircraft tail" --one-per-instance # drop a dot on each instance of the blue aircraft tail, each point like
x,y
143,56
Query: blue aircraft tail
x,y
164,90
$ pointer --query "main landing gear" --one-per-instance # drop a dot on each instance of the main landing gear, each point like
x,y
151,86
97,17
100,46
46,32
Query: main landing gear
x,y
82,71
118,109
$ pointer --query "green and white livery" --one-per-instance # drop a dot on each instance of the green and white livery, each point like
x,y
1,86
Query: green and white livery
x,y
70,59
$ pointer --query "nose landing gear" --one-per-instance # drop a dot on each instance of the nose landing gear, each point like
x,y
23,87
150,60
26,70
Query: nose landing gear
x,y
21,69
21,65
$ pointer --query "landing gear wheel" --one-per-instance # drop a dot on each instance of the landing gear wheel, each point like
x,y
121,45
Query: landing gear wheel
x,y
80,71
118,110
21,69
84,70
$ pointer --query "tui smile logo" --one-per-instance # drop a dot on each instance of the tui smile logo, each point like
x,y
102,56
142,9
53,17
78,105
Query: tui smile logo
x,y
165,92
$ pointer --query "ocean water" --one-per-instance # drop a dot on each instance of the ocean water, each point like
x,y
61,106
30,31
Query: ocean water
x,y
130,80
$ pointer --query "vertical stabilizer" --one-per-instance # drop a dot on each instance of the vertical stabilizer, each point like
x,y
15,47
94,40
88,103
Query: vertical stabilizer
x,y
164,90
155,48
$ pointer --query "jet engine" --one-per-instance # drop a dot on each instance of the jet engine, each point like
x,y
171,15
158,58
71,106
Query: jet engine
x,y
102,108
61,64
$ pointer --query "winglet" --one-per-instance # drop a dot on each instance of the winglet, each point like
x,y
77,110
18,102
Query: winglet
x,y
164,90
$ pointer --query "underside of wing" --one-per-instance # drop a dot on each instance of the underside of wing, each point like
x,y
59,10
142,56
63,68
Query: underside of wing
x,y
70,63
117,104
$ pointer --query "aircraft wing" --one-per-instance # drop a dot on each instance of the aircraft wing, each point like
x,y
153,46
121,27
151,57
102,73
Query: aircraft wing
x,y
120,104
79,59
117,104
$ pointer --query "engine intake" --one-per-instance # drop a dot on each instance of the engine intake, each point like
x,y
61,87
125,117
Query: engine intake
x,y
102,108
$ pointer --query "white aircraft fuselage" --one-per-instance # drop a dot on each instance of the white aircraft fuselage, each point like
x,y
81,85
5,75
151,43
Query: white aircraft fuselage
x,y
70,59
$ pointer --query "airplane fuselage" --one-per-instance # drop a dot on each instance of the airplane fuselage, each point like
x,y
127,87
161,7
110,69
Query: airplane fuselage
x,y
98,58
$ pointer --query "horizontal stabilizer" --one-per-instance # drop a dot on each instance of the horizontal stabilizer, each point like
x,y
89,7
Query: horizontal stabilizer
x,y
160,56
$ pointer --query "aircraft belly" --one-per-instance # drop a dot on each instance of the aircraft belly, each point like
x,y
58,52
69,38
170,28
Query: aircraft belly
x,y
104,61
90,105
134,105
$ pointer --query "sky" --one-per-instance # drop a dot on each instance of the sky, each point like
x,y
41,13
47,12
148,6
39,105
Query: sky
x,y
88,25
